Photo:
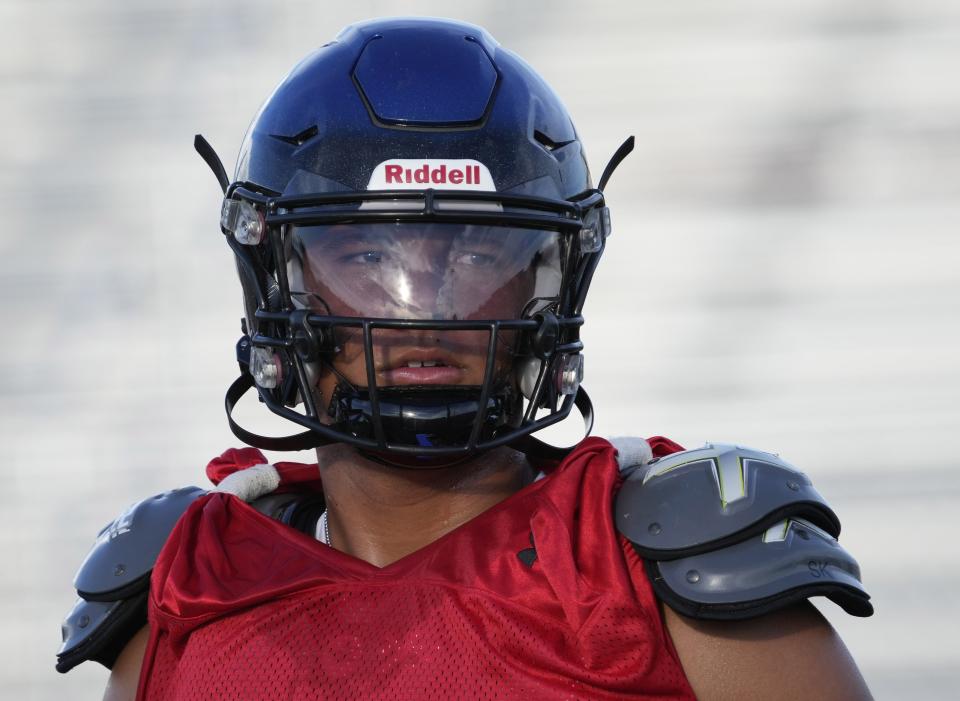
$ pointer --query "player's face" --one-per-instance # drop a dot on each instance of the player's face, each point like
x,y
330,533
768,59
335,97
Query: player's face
x,y
434,272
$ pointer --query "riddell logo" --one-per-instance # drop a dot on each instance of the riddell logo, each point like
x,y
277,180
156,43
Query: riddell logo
x,y
436,173
396,174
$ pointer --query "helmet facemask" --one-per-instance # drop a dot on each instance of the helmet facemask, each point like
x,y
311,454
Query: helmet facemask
x,y
408,328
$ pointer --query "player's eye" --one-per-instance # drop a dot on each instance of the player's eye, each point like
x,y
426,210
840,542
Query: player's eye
x,y
474,259
362,258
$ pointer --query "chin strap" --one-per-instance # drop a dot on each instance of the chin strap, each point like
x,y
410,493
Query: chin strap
x,y
622,152
539,450
211,158
298,441
529,445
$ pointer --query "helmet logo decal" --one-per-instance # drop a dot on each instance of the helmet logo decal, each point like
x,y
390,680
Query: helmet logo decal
x,y
436,173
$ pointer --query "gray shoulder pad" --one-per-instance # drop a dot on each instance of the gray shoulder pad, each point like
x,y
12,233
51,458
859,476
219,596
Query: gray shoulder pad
x,y
114,579
699,500
728,532
127,547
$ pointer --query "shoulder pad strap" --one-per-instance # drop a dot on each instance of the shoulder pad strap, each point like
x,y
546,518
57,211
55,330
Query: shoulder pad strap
x,y
699,500
729,532
114,579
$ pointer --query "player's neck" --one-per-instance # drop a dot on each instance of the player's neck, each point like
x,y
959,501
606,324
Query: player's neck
x,y
380,514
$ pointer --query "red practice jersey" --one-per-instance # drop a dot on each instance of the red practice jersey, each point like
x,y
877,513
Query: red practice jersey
x,y
539,597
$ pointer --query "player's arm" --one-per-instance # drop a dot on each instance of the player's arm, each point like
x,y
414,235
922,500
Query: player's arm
x,y
125,675
793,653
734,542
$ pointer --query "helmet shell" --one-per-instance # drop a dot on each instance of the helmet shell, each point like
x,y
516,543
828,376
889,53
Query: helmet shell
x,y
412,88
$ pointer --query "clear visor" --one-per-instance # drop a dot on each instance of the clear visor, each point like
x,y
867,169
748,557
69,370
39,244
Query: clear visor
x,y
435,271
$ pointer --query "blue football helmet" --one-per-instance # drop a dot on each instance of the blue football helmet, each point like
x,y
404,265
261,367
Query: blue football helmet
x,y
415,232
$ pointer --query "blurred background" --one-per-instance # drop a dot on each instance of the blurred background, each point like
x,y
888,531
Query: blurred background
x,y
783,271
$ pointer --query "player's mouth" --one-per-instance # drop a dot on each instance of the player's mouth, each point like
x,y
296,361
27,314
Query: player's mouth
x,y
422,368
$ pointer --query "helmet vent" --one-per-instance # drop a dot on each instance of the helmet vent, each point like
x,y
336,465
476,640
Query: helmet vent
x,y
300,138
548,143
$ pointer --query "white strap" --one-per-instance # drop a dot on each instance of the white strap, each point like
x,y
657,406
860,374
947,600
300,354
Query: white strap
x,y
251,483
632,451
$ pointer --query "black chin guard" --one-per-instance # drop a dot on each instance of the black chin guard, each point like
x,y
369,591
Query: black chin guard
x,y
430,416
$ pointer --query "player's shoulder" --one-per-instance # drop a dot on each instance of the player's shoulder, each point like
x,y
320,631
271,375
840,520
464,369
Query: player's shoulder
x,y
728,532
114,579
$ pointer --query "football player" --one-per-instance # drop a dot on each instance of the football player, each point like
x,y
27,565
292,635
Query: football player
x,y
415,231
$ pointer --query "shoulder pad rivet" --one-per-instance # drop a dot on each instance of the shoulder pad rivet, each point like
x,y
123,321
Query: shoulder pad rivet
x,y
119,570
84,621
693,576
654,529
793,485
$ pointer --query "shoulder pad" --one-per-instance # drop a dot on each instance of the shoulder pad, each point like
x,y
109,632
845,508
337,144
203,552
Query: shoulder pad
x,y
114,579
127,548
297,510
730,532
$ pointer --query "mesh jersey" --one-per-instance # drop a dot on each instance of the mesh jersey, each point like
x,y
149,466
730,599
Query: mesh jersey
x,y
536,598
